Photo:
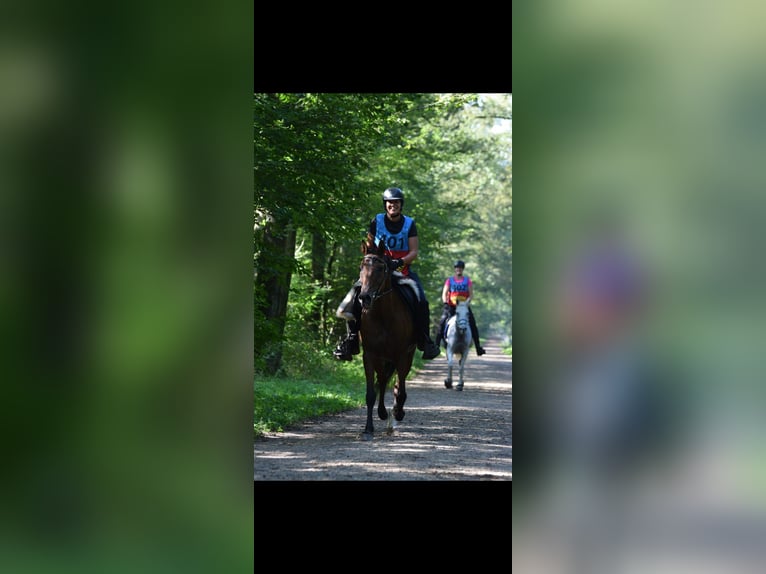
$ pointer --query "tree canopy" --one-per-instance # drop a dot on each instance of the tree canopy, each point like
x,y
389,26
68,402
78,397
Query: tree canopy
x,y
321,162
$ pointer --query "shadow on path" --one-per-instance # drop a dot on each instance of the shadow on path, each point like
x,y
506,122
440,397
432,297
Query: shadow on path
x,y
445,435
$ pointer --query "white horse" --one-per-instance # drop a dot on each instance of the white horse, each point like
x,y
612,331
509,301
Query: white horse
x,y
458,343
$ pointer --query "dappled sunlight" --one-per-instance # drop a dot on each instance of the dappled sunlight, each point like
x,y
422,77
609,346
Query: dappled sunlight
x,y
418,449
448,408
476,374
423,447
445,435
469,384
284,455
390,472
291,435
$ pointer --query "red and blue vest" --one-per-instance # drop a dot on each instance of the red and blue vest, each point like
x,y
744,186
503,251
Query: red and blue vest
x,y
398,244
458,291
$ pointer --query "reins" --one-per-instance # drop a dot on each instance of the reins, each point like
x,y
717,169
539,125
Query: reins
x,y
461,323
373,294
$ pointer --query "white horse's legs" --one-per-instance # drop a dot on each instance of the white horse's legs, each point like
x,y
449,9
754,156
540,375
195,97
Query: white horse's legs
x,y
458,340
463,357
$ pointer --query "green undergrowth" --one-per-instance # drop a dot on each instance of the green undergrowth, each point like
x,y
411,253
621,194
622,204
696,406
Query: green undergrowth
x,y
279,403
299,394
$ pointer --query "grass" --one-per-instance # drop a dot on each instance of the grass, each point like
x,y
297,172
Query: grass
x,y
280,402
315,386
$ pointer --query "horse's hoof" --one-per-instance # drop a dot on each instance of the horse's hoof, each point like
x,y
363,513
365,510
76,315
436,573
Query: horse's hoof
x,y
366,435
448,384
459,388
399,414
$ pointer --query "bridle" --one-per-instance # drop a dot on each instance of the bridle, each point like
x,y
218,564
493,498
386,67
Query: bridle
x,y
372,295
461,321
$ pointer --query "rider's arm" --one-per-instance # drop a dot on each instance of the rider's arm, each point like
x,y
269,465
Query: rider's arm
x,y
372,231
445,292
413,247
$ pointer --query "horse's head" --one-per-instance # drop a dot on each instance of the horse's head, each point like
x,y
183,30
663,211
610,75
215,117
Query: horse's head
x,y
370,248
461,316
374,274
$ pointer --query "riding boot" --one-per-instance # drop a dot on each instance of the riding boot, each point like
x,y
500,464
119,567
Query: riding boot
x,y
475,334
351,311
439,336
440,330
350,345
425,344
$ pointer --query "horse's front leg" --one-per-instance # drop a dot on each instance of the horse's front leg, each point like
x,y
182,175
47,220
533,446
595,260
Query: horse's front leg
x,y
382,385
400,396
448,380
371,395
459,386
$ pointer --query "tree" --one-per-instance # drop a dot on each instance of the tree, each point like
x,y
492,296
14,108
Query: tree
x,y
313,157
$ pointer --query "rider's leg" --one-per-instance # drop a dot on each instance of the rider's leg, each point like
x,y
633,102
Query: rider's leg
x,y
423,323
475,333
430,349
446,314
351,311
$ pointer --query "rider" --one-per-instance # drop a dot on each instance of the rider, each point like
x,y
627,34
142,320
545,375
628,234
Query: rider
x,y
400,236
458,288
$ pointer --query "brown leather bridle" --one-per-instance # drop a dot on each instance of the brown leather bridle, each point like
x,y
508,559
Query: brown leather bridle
x,y
373,295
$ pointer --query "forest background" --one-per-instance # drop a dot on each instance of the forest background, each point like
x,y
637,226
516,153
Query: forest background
x,y
321,163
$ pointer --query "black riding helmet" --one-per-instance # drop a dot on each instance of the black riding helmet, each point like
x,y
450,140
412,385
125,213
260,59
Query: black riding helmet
x,y
460,264
393,194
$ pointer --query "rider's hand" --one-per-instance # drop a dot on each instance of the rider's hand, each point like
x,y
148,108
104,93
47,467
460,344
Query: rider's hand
x,y
395,264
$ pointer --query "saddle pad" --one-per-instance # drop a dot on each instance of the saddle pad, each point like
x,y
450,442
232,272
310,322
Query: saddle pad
x,y
408,290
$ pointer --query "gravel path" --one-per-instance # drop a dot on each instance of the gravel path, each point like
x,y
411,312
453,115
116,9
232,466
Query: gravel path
x,y
445,434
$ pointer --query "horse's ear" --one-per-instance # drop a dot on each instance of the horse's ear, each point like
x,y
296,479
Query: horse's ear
x,y
381,248
363,247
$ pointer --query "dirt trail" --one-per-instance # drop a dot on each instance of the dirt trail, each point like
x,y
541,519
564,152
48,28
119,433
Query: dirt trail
x,y
445,435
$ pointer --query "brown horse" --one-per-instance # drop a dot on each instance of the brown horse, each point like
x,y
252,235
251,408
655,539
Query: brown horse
x,y
387,334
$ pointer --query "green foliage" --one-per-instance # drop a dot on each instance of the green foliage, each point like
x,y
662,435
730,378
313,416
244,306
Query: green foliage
x,y
311,148
310,384
312,163
470,216
321,162
281,402
303,357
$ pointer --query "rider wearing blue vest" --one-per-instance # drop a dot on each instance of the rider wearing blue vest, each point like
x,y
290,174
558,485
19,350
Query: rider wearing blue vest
x,y
458,288
400,236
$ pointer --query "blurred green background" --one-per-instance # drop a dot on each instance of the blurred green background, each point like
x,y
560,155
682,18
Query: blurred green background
x,y
125,186
651,116
126,163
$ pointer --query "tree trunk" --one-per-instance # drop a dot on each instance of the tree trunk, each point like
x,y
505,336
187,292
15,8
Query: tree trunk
x,y
272,279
